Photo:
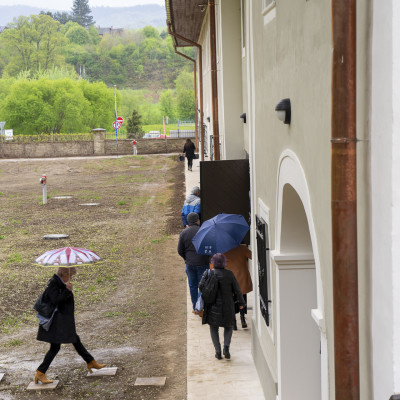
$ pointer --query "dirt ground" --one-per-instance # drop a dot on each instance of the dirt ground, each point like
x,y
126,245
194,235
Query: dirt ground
x,y
131,308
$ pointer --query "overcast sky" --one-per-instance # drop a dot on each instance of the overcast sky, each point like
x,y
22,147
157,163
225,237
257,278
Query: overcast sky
x,y
67,4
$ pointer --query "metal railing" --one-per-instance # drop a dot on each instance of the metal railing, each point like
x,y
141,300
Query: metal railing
x,y
181,133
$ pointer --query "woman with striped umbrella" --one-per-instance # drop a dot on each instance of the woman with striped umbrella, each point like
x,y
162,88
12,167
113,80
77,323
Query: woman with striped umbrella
x,y
60,327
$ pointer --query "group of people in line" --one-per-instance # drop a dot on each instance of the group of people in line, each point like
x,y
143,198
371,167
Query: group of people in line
x,y
232,273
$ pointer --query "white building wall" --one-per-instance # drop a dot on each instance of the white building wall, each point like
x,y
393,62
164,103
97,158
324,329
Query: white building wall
x,y
385,205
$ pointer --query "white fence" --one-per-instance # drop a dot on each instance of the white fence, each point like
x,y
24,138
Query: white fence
x,y
181,133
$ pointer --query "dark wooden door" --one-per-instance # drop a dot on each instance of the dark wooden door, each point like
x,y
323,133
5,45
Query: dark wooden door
x,y
225,188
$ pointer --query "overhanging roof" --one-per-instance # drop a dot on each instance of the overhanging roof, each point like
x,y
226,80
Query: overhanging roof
x,y
185,18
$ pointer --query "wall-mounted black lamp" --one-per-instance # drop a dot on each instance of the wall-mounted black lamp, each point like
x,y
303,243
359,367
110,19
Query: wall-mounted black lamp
x,y
243,117
208,119
283,110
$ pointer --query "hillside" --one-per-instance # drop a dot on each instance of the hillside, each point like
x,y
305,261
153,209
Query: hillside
x,y
135,17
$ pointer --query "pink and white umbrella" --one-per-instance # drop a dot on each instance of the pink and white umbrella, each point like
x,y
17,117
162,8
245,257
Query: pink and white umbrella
x,y
67,257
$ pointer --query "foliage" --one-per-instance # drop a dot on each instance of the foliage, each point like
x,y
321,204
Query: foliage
x,y
31,44
185,96
54,106
167,103
81,13
61,16
134,126
77,34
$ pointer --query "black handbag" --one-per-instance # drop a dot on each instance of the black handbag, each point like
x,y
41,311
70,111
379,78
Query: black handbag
x,y
42,307
196,156
236,303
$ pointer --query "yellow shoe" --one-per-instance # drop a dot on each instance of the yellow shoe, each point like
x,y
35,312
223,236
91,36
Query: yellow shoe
x,y
94,364
40,376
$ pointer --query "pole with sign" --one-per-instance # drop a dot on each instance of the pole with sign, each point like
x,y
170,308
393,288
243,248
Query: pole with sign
x,y
115,109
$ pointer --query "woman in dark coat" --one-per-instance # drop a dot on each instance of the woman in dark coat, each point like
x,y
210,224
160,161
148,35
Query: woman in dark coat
x,y
62,328
222,312
188,150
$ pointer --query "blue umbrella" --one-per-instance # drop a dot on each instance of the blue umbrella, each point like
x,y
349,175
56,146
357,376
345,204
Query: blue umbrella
x,y
220,234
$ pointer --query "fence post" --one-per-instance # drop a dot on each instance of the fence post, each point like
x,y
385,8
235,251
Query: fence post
x,y
99,141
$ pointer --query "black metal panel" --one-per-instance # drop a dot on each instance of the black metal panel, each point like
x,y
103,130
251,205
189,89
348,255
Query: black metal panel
x,y
263,267
225,188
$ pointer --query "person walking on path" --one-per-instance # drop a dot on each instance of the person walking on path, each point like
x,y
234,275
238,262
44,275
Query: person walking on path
x,y
196,264
62,328
222,312
236,261
189,149
191,204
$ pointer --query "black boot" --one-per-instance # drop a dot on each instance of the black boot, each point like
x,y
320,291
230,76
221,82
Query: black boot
x,y
226,352
243,320
235,325
218,355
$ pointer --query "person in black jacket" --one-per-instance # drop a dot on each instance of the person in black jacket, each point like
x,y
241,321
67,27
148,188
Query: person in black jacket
x,y
62,328
188,150
196,264
222,312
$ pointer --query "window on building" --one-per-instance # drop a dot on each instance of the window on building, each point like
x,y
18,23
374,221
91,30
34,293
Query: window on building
x,y
263,266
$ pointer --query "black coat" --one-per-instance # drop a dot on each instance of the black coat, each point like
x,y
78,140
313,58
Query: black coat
x,y
189,150
187,250
62,328
222,312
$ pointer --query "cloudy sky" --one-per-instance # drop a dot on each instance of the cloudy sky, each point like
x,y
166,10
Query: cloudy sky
x,y
67,4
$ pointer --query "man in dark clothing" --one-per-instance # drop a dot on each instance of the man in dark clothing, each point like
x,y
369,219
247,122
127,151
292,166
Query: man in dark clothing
x,y
196,264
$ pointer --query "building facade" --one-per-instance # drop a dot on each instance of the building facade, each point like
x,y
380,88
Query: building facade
x,y
267,51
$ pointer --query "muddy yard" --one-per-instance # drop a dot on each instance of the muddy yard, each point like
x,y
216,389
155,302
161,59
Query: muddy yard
x,y
131,308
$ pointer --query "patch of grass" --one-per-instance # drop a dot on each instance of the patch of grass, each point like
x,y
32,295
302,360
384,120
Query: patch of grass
x,y
9,324
160,240
122,203
13,343
113,314
16,221
14,258
1,237
1,193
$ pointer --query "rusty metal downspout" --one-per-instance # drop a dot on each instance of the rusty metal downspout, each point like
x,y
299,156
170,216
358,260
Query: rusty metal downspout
x,y
214,84
176,35
196,135
344,200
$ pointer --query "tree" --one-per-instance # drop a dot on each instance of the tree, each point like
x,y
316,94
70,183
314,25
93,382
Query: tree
x,y
53,106
185,96
134,126
167,103
78,34
81,13
61,16
32,43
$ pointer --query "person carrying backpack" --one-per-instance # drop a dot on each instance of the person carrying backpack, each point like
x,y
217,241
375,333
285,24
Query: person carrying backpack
x,y
221,313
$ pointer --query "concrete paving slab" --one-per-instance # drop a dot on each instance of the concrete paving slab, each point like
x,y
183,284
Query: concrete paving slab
x,y
111,371
55,236
41,386
152,381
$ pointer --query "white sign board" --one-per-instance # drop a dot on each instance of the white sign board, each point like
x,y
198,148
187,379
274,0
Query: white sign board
x,y
8,133
2,123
